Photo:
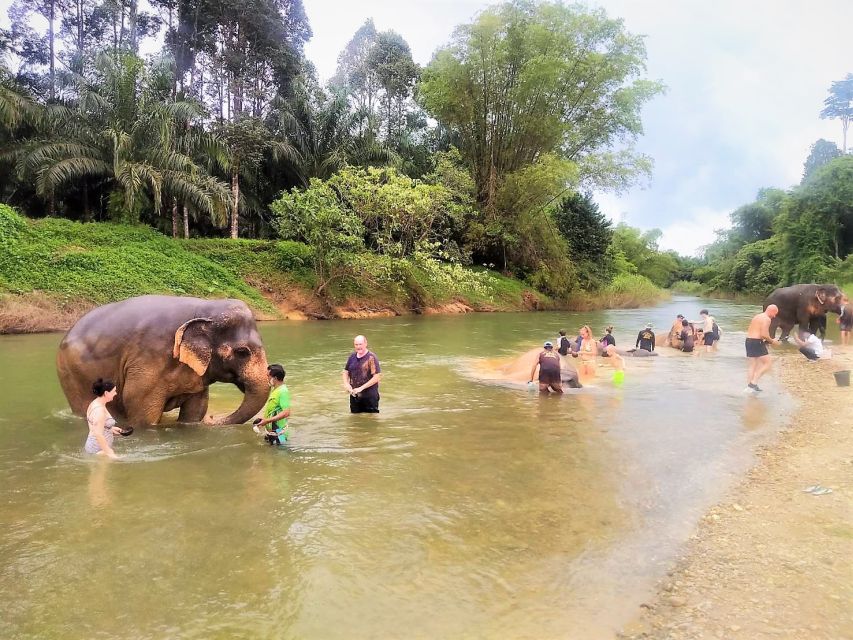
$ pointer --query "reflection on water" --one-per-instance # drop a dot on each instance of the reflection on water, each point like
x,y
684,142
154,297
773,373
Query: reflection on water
x,y
464,509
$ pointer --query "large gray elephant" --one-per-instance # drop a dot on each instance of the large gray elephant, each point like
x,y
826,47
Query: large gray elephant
x,y
163,352
803,305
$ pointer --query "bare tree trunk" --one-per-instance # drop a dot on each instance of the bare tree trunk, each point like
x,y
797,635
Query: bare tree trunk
x,y
186,215
174,217
132,26
51,37
87,215
79,35
235,192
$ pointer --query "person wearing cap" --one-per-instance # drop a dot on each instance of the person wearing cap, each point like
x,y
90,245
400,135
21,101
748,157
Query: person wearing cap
x,y
646,338
549,370
673,338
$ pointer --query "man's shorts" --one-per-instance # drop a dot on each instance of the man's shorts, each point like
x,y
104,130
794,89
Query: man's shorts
x,y
550,377
709,339
755,348
846,325
363,404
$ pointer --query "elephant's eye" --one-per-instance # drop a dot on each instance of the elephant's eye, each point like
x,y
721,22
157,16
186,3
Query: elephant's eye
x,y
242,352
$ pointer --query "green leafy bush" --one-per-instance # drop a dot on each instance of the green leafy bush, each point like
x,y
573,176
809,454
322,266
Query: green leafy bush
x,y
689,287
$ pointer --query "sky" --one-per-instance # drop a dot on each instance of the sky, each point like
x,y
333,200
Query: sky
x,y
746,81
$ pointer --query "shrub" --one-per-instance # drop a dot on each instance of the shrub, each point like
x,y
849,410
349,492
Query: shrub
x,y
689,287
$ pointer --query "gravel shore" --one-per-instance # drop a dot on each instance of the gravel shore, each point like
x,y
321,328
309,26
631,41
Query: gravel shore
x,y
771,560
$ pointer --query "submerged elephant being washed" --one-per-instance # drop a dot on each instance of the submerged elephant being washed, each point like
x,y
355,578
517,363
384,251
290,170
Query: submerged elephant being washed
x,y
163,352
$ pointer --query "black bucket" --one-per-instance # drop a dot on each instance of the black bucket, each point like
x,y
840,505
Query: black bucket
x,y
842,378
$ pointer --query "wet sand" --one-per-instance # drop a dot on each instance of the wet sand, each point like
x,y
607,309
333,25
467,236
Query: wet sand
x,y
771,561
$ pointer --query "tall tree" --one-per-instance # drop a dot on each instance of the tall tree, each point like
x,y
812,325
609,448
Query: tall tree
x,y
390,61
354,75
530,78
588,234
839,104
821,152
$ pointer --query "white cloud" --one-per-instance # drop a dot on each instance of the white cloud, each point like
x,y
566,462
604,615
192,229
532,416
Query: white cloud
x,y
693,231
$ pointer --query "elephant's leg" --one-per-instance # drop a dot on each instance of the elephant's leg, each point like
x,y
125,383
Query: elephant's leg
x,y
142,404
194,407
786,329
774,324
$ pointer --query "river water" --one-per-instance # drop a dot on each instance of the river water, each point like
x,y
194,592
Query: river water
x,y
465,509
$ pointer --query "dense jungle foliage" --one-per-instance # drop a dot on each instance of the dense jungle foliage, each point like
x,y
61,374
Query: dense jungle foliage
x,y
802,235
227,132
485,157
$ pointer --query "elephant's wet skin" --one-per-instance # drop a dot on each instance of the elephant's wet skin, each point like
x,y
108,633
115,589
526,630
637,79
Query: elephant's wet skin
x,y
164,352
804,305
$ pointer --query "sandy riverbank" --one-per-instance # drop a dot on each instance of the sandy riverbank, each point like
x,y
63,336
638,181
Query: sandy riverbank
x,y
771,561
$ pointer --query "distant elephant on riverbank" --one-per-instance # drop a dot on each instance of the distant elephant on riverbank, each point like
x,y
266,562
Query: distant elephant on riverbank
x,y
163,352
804,305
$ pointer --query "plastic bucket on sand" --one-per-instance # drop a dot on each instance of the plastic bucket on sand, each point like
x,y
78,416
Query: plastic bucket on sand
x,y
842,378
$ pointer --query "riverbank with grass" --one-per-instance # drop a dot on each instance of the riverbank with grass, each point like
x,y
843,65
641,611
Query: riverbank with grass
x,y
52,271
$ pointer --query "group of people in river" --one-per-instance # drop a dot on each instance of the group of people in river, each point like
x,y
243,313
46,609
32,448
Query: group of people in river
x,y
685,335
362,373
360,376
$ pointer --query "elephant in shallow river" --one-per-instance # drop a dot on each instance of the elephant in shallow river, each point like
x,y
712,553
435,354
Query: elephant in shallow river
x,y
163,352
803,305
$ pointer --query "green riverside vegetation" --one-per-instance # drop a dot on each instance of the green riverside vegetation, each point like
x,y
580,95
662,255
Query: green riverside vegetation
x,y
97,263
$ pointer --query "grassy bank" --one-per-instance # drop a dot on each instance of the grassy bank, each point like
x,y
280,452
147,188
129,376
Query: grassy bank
x,y
626,291
53,270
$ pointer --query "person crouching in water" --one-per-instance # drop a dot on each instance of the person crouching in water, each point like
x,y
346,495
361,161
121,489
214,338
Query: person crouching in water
x,y
549,370
810,345
277,409
564,349
686,338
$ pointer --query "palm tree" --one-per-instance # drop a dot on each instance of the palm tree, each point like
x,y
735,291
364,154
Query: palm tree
x,y
139,147
839,104
323,132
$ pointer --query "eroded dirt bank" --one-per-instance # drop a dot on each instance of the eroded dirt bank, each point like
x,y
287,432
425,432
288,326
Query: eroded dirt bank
x,y
772,561
38,313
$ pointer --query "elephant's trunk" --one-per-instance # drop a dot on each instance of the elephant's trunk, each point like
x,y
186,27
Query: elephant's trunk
x,y
254,396
253,401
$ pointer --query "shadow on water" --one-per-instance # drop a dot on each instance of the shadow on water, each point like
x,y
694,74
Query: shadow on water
x,y
465,508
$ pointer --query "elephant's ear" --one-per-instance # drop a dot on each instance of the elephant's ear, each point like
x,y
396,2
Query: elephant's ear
x,y
820,294
192,345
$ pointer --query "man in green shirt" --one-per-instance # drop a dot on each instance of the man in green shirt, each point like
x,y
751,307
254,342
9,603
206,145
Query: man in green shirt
x,y
277,409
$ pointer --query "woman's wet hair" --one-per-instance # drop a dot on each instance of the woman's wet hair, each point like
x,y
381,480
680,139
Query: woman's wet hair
x,y
684,323
276,371
588,330
101,386
562,332
609,328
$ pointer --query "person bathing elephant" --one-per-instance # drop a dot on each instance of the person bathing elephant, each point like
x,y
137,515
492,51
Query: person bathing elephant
x,y
164,352
803,305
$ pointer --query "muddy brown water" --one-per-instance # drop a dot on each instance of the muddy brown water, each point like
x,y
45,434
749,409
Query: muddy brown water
x,y
467,508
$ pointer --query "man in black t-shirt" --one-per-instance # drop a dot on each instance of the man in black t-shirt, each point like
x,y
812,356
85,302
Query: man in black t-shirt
x,y
549,370
646,338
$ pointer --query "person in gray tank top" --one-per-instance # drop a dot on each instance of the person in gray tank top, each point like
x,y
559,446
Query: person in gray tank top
x,y
102,426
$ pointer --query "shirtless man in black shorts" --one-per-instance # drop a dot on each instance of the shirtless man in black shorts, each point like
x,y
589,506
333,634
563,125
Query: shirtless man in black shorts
x,y
549,370
757,338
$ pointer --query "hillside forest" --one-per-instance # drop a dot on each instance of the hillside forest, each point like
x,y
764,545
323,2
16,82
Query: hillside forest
x,y
484,159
